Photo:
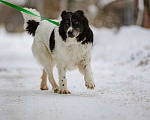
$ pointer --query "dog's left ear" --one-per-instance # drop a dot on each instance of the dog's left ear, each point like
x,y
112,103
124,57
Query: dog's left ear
x,y
63,14
80,12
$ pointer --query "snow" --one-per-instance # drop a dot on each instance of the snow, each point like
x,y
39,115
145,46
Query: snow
x,y
120,64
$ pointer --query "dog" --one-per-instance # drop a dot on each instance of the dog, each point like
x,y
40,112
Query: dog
x,y
68,46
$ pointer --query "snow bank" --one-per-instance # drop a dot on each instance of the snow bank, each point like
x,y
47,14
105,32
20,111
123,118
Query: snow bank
x,y
15,50
129,44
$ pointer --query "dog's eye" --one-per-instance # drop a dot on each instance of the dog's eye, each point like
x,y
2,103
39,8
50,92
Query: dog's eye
x,y
76,23
67,24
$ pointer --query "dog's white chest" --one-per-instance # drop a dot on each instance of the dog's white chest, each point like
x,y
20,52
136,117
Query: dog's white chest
x,y
71,55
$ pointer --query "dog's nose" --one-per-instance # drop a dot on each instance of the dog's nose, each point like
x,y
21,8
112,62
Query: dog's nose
x,y
70,34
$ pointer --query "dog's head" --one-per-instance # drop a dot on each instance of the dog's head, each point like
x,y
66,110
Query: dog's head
x,y
72,24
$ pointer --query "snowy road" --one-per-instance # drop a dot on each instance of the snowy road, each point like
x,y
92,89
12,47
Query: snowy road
x,y
120,64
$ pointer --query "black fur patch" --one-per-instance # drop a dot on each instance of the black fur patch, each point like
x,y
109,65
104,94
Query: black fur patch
x,y
88,34
52,41
32,26
62,31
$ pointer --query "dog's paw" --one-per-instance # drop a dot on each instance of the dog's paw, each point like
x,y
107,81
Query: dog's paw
x,y
64,92
90,85
44,87
56,90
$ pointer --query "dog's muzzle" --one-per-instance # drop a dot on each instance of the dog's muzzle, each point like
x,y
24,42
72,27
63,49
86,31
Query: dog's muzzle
x,y
70,34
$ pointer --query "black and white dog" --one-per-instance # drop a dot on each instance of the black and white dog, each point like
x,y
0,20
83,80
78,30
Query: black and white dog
x,y
67,46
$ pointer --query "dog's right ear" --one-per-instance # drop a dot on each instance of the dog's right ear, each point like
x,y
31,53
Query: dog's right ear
x,y
80,12
63,14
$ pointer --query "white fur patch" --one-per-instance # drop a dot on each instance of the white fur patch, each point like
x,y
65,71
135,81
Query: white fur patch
x,y
69,29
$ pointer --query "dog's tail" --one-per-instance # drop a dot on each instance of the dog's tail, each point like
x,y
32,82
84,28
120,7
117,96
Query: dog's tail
x,y
31,22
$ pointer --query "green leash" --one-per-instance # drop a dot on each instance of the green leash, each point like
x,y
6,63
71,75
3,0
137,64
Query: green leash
x,y
28,12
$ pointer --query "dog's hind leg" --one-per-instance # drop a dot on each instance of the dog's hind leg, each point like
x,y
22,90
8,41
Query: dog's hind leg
x,y
51,79
48,68
44,57
44,81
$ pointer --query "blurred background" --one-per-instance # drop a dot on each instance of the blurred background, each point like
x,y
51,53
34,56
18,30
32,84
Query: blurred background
x,y
101,13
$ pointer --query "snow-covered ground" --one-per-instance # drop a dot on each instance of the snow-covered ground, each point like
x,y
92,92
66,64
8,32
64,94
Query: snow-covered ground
x,y
121,68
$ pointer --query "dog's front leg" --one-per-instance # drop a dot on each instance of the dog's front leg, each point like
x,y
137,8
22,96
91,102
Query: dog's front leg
x,y
85,69
62,80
